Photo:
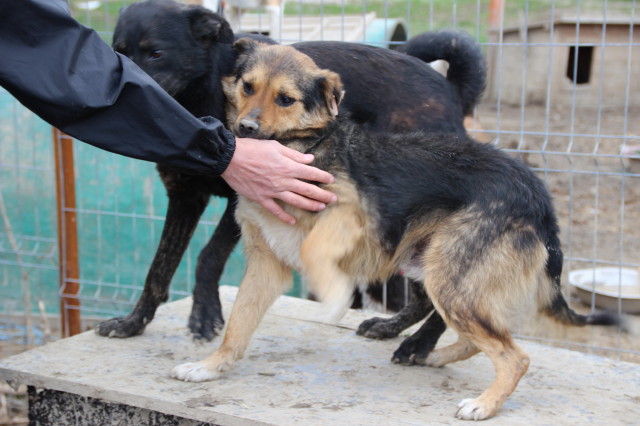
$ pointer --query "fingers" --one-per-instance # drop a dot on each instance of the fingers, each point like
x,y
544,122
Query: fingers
x,y
313,174
300,202
295,200
297,156
315,197
277,211
302,170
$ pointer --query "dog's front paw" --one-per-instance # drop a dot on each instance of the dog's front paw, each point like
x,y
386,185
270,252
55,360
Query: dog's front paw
x,y
473,409
416,350
406,353
377,328
205,322
194,372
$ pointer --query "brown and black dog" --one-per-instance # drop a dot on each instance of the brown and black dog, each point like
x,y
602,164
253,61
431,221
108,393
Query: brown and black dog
x,y
188,49
476,226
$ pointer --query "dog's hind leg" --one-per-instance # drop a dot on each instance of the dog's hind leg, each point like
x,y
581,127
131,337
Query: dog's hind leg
x,y
416,310
478,285
510,363
183,213
206,318
462,349
265,279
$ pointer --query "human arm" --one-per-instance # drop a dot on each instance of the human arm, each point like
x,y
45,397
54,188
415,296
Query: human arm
x,y
68,76
71,78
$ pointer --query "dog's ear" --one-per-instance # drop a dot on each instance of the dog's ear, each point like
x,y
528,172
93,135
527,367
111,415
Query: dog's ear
x,y
207,27
117,43
332,90
244,46
241,50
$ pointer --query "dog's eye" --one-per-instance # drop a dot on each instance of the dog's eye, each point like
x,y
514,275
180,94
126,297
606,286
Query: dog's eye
x,y
156,54
284,100
247,87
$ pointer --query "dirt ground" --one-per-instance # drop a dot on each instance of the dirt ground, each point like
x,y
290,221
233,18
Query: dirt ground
x,y
13,403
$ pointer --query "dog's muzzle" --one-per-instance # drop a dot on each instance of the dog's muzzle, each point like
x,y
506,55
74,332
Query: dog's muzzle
x,y
248,127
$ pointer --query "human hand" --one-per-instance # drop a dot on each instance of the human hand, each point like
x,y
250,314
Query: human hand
x,y
264,171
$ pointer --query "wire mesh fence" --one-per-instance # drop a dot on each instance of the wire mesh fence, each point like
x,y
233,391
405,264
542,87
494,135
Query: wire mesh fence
x,y
562,94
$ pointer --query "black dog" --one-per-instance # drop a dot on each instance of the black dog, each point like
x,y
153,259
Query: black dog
x,y
187,49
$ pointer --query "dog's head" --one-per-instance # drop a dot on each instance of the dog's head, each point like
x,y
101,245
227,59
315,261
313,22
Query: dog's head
x,y
276,92
171,42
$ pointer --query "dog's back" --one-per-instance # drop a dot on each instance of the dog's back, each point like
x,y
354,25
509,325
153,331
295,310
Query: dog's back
x,y
186,49
408,174
421,97
427,181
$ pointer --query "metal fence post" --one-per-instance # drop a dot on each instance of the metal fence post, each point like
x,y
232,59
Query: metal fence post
x,y
67,234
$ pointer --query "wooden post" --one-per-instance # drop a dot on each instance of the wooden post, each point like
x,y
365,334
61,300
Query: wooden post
x,y
495,13
67,234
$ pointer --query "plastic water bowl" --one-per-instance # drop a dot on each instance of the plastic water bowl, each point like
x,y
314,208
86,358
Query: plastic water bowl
x,y
608,287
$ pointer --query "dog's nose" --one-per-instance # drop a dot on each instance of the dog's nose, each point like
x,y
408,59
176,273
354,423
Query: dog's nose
x,y
248,127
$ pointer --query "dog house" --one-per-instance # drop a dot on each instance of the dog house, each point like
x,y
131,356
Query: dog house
x,y
368,28
593,58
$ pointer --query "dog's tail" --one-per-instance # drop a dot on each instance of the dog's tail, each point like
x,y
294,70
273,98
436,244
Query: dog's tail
x,y
467,66
558,309
561,312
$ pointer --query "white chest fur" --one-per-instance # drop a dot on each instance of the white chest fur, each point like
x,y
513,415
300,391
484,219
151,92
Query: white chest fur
x,y
285,240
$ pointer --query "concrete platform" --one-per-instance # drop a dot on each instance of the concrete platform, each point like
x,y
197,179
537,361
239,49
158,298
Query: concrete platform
x,y
298,371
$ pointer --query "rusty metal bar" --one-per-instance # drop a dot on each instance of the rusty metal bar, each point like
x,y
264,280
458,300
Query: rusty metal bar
x,y
67,234
495,13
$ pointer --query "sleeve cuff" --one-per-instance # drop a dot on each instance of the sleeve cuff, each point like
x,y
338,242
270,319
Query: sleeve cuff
x,y
220,145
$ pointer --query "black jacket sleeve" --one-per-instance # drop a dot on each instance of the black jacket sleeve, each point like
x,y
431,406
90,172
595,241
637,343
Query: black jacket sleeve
x,y
66,74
